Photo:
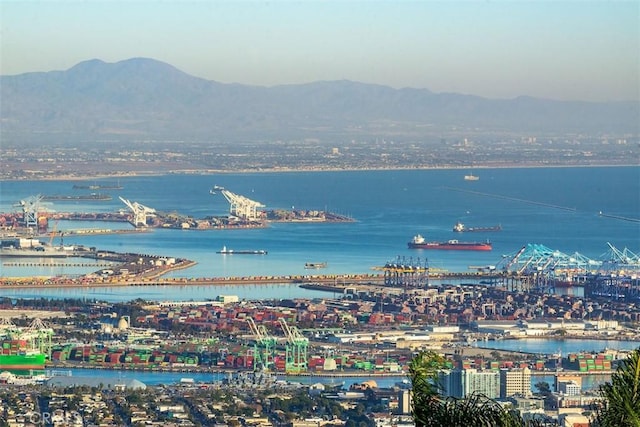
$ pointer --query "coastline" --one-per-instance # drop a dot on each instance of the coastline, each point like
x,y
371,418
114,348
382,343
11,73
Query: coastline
x,y
107,175
61,282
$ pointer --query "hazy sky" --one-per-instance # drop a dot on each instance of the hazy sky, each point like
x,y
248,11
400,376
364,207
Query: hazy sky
x,y
578,50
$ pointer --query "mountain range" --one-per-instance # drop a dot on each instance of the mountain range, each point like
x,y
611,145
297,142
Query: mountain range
x,y
146,98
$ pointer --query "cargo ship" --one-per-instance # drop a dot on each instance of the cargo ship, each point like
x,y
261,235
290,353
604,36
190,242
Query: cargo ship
x,y
418,242
22,361
38,252
33,248
461,228
83,197
226,251
98,187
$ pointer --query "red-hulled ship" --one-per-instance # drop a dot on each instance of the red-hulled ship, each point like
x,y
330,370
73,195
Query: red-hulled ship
x,y
418,242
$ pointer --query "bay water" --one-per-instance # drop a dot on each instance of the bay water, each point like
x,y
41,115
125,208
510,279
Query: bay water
x,y
555,207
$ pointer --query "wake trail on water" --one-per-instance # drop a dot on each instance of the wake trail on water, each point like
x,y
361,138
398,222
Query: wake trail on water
x,y
513,199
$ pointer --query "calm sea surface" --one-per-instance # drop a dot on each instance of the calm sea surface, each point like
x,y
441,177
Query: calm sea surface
x,y
554,207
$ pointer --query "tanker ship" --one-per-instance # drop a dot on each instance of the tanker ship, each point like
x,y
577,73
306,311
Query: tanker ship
x,y
419,242
83,197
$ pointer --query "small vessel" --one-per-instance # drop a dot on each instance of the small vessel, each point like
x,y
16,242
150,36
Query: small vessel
x,y
310,265
83,197
98,187
226,251
471,177
460,228
419,242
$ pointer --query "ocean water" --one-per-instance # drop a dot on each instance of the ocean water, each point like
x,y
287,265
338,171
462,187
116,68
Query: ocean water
x,y
555,207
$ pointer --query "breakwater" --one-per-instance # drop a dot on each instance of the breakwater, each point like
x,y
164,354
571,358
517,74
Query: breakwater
x,y
328,282
83,282
54,264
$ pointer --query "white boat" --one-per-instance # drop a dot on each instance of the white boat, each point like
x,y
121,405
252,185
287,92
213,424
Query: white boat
x,y
471,177
309,265
226,251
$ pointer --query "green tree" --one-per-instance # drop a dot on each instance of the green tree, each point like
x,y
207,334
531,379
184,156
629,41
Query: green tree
x,y
543,388
621,396
432,409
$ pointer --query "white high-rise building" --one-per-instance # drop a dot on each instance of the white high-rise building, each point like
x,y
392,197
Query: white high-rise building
x,y
570,388
463,382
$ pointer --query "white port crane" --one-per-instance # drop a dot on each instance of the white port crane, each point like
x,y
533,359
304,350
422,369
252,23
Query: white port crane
x,y
38,336
241,206
141,213
30,208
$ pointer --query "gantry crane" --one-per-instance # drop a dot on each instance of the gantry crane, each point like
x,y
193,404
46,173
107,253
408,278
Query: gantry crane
x,y
240,206
406,273
264,347
8,329
615,260
37,336
296,348
30,208
141,213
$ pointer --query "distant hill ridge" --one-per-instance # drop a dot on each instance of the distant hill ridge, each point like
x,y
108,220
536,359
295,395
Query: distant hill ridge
x,y
144,97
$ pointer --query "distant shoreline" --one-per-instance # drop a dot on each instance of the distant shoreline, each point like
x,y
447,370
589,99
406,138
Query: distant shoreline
x,y
107,175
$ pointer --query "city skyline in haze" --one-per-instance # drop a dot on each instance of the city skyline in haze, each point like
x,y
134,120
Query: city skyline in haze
x,y
566,50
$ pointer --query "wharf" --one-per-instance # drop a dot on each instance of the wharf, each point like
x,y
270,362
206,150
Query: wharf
x,y
323,374
65,282
561,374
63,366
334,283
